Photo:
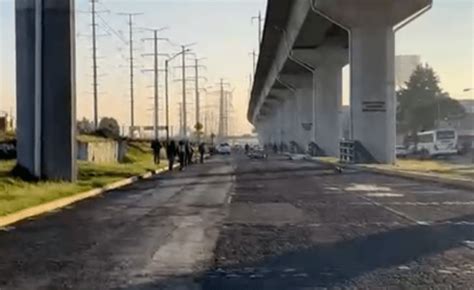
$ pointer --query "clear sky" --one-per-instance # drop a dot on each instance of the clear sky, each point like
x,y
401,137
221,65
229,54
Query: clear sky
x,y
444,37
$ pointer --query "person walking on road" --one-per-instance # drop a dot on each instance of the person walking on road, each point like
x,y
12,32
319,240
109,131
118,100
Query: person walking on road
x,y
189,153
171,151
182,154
156,147
202,150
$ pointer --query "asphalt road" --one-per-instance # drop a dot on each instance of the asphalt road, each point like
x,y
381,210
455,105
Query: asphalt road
x,y
240,224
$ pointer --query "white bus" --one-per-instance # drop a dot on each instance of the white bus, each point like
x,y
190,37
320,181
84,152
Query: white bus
x,y
437,142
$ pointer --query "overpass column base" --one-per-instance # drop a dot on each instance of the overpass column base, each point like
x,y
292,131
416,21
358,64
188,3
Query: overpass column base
x,y
46,112
372,53
373,91
305,125
328,107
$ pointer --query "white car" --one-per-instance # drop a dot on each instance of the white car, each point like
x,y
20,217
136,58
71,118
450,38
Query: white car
x,y
401,151
223,148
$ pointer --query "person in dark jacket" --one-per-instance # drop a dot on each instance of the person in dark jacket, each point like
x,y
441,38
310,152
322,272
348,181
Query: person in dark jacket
x,y
182,154
202,150
156,147
189,153
171,151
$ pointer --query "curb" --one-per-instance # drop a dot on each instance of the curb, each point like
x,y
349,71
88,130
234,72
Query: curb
x,y
40,209
459,183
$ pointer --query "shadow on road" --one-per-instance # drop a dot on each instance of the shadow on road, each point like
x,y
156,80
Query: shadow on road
x,y
331,264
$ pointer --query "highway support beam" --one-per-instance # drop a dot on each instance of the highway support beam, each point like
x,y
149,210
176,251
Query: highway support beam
x,y
372,25
46,98
329,59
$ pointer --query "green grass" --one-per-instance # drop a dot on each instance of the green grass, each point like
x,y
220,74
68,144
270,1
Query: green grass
x,y
7,136
16,194
90,138
433,167
439,168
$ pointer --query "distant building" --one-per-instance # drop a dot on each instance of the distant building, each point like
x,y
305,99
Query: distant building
x,y
404,67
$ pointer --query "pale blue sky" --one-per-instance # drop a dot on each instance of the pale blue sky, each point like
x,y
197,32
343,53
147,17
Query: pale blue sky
x,y
444,37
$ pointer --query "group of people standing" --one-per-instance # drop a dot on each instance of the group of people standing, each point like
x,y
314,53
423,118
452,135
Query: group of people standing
x,y
183,150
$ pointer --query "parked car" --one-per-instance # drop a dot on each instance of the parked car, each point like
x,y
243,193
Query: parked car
x,y
401,151
223,148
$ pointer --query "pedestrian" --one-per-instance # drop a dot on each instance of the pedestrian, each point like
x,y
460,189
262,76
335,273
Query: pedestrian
x,y
202,150
171,151
189,153
247,148
182,154
156,147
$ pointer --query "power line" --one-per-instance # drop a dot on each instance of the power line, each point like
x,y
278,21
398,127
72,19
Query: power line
x,y
110,29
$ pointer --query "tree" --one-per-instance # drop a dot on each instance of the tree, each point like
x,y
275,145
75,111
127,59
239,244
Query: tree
x,y
109,128
85,126
198,127
422,102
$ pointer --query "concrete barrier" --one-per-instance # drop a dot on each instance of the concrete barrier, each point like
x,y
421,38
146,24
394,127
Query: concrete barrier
x,y
106,151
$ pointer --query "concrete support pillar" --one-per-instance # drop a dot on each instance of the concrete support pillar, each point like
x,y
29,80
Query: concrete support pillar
x,y
305,131
372,46
280,124
373,90
303,95
291,120
328,106
46,120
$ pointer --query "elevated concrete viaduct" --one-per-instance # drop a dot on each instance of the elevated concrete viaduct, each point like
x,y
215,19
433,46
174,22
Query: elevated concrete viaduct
x,y
297,92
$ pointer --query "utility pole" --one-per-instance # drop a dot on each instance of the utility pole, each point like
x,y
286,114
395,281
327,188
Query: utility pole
x,y
222,110
167,99
167,61
197,94
196,71
132,100
132,97
180,107
155,70
260,20
184,121
254,61
94,65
